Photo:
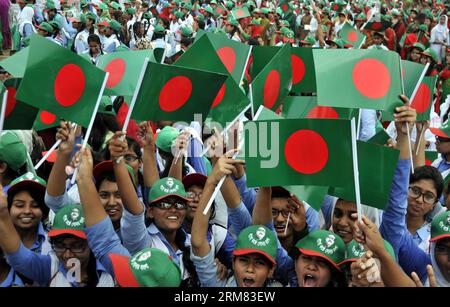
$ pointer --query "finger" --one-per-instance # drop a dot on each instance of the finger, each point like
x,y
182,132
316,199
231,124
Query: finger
x,y
431,276
416,280
404,99
231,153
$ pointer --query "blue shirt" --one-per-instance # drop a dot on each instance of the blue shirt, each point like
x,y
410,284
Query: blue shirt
x,y
444,165
12,280
394,229
41,238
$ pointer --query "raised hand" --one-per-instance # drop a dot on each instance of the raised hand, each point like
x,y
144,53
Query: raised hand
x,y
117,147
431,278
146,136
404,114
298,213
66,133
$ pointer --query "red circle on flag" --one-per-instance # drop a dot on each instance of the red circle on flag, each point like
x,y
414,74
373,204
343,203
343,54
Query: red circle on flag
x,y
219,97
219,10
306,152
271,89
323,112
47,118
175,93
239,13
69,85
335,7
371,78
11,101
376,26
284,7
421,101
228,58
352,36
298,69
116,69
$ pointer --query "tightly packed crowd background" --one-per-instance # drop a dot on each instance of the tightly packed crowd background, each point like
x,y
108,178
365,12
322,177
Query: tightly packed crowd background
x,y
134,215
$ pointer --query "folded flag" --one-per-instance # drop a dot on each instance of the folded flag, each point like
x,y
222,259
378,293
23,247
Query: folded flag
x,y
411,73
176,93
303,73
380,138
18,115
45,120
61,82
423,100
124,69
351,36
17,63
366,79
306,107
298,152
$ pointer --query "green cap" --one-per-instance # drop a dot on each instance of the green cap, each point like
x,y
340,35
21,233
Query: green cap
x,y
45,26
115,5
443,131
395,12
423,28
12,151
186,31
166,187
209,9
323,244
115,25
103,6
149,267
50,5
251,3
82,18
158,29
91,15
289,34
339,42
69,220
257,239
255,22
230,4
131,11
440,226
265,10
188,6
361,16
432,54
419,46
284,23
200,17
309,40
31,182
106,106
128,2
55,24
178,14
213,2
147,15
232,22
166,137
356,250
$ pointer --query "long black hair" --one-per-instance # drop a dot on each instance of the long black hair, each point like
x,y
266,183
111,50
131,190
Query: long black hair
x,y
95,39
103,123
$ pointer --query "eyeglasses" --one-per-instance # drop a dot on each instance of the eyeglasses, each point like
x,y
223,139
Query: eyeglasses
x,y
166,206
442,250
284,213
427,197
75,249
130,158
442,140
193,195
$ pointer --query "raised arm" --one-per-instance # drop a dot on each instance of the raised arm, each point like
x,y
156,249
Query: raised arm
x,y
176,168
150,171
421,128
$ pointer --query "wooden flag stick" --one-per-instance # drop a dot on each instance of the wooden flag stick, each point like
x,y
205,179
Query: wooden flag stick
x,y
49,152
91,124
355,169
420,139
3,111
410,148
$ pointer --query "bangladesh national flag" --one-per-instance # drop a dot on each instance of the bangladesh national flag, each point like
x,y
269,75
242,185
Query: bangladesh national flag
x,y
430,156
45,120
380,138
295,107
16,63
378,23
230,101
411,73
273,83
376,171
124,69
303,73
240,12
298,152
423,100
18,115
366,79
61,82
351,36
176,93
219,10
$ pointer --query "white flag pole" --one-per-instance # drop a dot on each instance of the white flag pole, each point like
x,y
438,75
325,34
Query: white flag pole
x,y
407,126
3,111
355,169
91,123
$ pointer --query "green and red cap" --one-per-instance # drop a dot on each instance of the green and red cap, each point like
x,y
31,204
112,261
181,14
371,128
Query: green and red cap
x,y
167,187
12,151
257,239
29,181
69,220
149,267
108,167
443,131
356,250
194,179
323,244
440,227
165,139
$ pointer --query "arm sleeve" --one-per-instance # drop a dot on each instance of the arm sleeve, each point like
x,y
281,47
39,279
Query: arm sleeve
x,y
104,241
207,270
34,266
248,196
225,253
368,122
239,218
134,233
312,219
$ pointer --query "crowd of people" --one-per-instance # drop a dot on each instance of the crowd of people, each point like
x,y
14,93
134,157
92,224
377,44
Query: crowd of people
x,y
133,215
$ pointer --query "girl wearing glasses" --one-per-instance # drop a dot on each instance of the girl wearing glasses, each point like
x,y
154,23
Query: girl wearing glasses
x,y
69,264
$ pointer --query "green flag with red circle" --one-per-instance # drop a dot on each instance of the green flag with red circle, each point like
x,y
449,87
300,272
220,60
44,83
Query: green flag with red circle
x,y
230,101
124,69
18,115
61,82
17,63
303,73
283,152
411,73
45,120
423,100
366,79
240,12
273,83
176,93
352,36
307,107
430,156
376,165
219,10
